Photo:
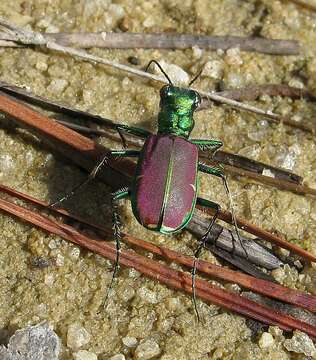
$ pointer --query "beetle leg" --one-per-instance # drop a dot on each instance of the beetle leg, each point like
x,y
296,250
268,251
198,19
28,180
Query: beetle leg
x,y
116,221
218,172
197,253
211,144
93,173
142,133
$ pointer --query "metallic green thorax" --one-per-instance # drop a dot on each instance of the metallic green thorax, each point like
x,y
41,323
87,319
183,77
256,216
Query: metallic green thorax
x,y
176,110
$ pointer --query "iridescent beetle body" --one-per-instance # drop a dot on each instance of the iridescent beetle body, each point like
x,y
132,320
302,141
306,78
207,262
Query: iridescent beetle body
x,y
163,193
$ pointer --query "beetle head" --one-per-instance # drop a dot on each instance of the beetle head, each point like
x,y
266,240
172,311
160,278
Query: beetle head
x,y
176,110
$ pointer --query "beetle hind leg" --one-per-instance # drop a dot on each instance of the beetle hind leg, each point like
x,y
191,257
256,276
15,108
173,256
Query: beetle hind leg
x,y
197,253
117,224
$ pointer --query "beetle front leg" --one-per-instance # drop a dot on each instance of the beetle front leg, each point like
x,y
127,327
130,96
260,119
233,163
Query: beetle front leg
x,y
211,144
197,253
142,133
95,170
116,221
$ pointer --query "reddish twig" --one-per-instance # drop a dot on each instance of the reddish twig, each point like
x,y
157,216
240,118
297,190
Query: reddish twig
x,y
154,270
263,287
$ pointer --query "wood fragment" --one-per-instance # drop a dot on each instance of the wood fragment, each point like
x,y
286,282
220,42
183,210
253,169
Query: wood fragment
x,y
84,152
164,274
307,4
127,40
252,93
28,37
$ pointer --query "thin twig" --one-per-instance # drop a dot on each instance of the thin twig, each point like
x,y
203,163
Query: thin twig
x,y
164,274
34,38
85,153
174,41
310,4
251,93
235,161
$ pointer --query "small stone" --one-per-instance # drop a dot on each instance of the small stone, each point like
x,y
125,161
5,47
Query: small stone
x,y
266,340
6,163
149,22
297,83
275,331
60,260
49,279
133,60
116,11
129,341
118,357
77,336
300,343
234,80
75,252
52,29
57,85
38,342
268,172
197,52
147,350
175,72
41,65
84,355
213,69
125,24
148,295
278,274
173,304
233,56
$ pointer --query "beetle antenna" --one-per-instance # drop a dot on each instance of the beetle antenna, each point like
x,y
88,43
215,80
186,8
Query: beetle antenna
x,y
160,68
231,205
195,77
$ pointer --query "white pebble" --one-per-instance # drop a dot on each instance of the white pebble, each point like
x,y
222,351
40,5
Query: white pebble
x,y
300,343
57,85
197,52
234,80
74,252
266,340
149,22
148,295
147,350
213,69
116,11
175,72
60,260
233,56
41,65
84,355
129,341
77,336
49,279
6,162
118,357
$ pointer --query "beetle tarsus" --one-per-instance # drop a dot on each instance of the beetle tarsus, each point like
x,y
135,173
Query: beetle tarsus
x,y
193,276
90,177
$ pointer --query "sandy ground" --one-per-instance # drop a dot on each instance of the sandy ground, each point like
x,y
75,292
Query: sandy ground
x,y
141,312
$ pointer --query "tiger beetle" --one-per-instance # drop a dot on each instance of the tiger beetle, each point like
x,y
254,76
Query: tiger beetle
x,y
164,189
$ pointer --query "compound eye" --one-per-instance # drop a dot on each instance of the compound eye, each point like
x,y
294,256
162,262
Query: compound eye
x,y
197,100
165,91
